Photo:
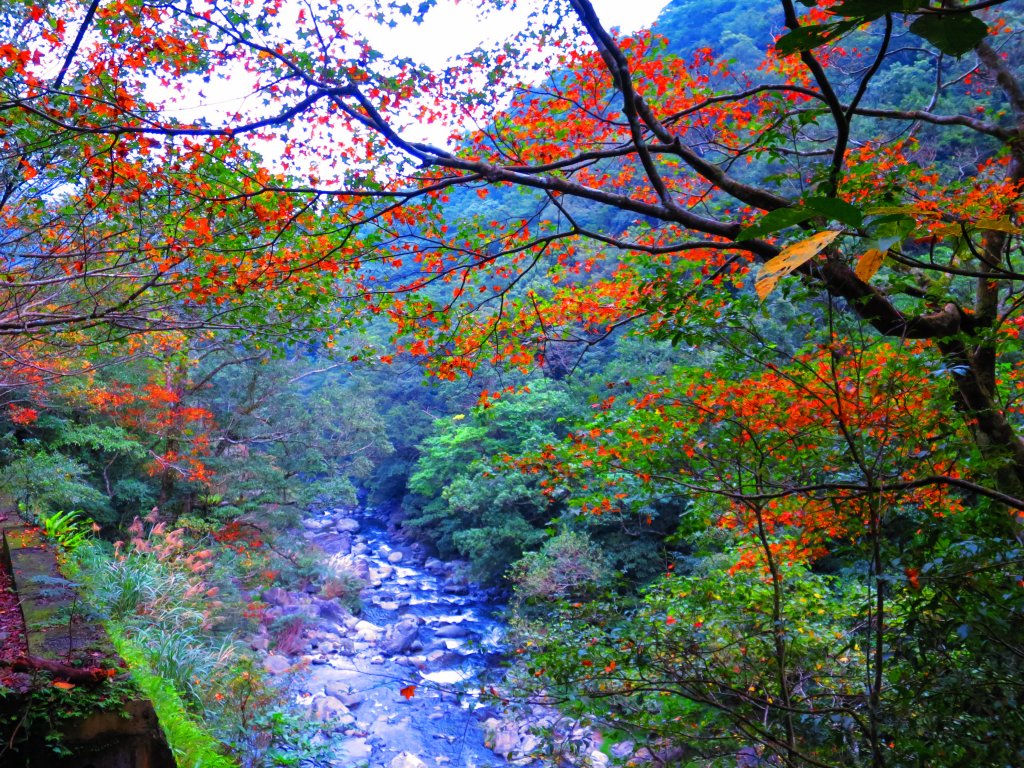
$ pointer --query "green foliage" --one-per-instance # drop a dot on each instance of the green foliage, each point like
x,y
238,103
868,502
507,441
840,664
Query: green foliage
x,y
192,745
697,663
161,597
46,481
468,501
568,567
67,529
289,434
47,710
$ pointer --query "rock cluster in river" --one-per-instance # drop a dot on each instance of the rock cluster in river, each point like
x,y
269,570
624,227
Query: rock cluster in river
x,y
382,680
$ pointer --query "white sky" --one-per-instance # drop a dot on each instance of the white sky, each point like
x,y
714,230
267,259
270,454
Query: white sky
x,y
449,29
452,27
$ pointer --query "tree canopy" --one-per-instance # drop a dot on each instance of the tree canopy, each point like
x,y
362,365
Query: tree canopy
x,y
826,227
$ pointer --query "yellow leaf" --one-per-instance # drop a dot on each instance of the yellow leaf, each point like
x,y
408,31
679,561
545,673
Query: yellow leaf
x,y
999,225
907,209
790,259
957,229
869,264
766,285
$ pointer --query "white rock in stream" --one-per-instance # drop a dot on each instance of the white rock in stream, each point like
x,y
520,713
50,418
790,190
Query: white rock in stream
x,y
446,676
395,557
382,572
367,632
406,760
452,631
328,708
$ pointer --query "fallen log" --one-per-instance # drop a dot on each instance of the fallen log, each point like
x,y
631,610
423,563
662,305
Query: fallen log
x,y
64,672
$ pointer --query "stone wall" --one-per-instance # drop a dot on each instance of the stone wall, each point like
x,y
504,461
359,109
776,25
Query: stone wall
x,y
69,702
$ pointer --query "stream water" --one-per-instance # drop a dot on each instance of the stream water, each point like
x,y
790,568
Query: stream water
x,y
401,680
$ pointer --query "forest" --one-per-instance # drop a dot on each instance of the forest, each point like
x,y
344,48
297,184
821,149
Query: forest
x,y
697,348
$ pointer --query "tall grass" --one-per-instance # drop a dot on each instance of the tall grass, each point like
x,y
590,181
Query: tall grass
x,y
212,698
191,744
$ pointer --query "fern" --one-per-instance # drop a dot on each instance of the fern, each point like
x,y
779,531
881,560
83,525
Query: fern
x,y
66,528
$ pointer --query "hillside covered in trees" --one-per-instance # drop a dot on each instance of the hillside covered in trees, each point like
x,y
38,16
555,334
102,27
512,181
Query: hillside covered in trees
x,y
700,346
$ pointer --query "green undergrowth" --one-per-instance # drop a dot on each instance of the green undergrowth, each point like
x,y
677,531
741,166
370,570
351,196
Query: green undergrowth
x,y
191,744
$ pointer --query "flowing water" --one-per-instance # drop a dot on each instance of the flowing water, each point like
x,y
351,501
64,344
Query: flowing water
x,y
425,700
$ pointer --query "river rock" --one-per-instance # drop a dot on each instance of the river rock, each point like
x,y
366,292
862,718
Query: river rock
x,y
367,632
361,567
529,744
352,699
276,664
336,688
622,750
355,751
406,760
451,631
395,557
277,596
332,610
342,543
502,737
443,658
435,567
399,637
347,525
382,572
325,708
455,588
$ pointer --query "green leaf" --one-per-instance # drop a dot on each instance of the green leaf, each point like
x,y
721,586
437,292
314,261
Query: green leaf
x,y
837,210
829,207
872,9
890,230
811,36
774,221
955,34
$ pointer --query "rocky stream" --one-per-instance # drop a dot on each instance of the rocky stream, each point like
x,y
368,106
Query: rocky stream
x,y
398,685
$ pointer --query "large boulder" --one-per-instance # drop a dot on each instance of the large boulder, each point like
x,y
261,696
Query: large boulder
x,y
332,610
347,525
361,567
400,637
454,587
367,632
436,567
276,664
501,736
328,708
